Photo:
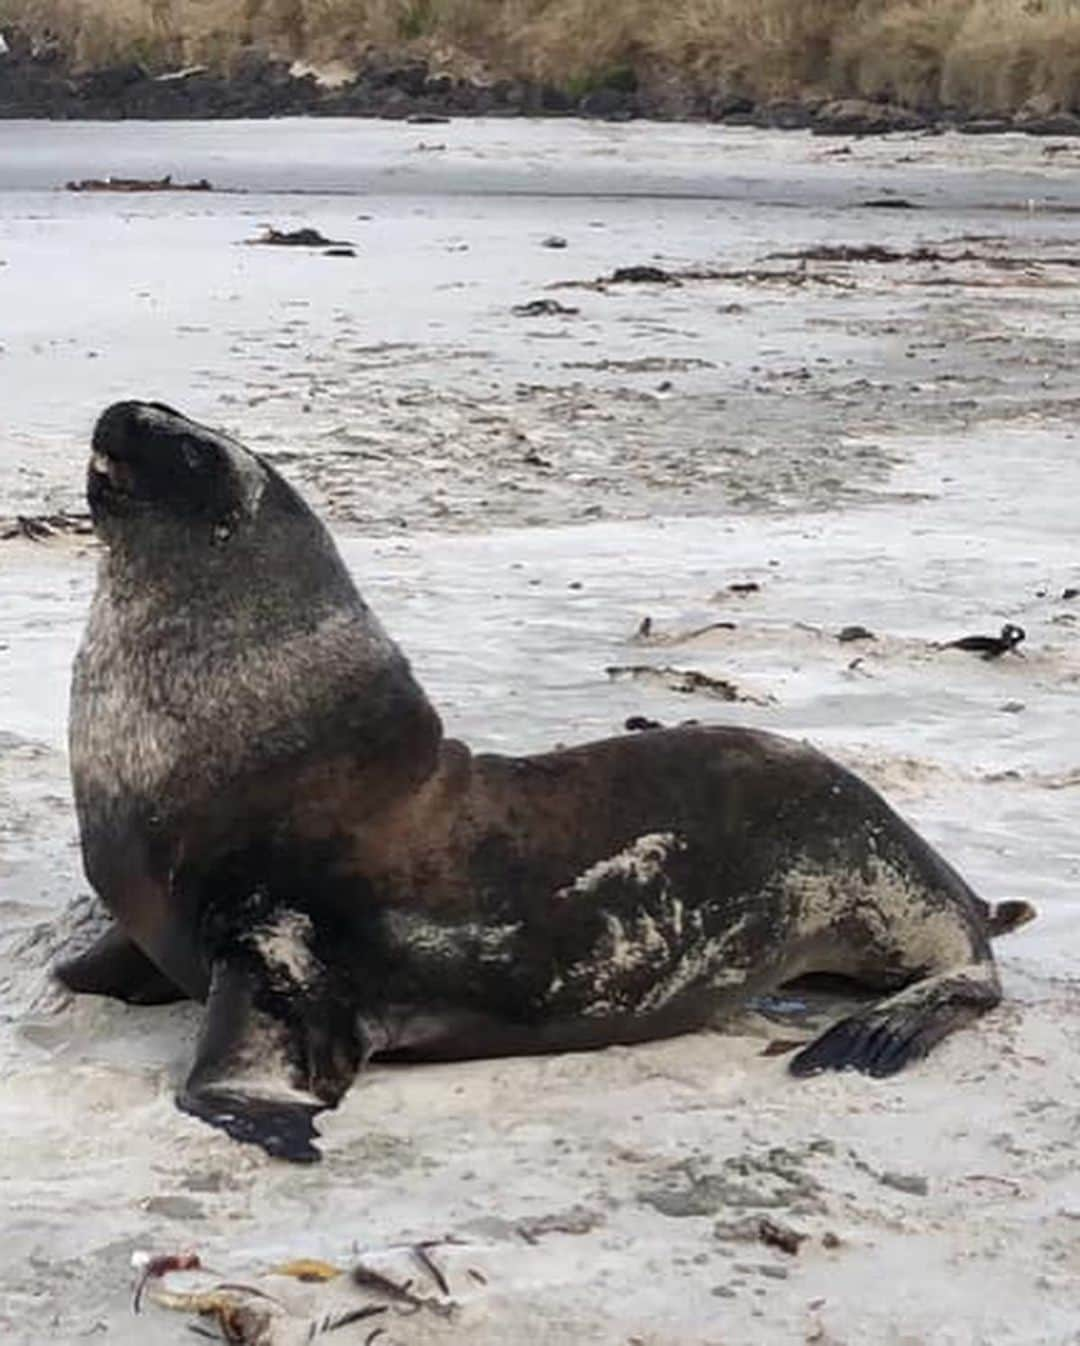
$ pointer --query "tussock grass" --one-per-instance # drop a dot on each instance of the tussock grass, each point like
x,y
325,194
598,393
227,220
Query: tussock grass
x,y
979,55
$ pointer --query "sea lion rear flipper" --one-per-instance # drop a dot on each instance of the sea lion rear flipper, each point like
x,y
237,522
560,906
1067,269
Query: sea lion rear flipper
x,y
279,1043
115,966
885,1037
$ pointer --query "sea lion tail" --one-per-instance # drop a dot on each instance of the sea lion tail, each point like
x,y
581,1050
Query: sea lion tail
x,y
1003,918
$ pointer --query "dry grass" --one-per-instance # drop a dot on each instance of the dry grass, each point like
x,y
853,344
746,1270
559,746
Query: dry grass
x,y
981,55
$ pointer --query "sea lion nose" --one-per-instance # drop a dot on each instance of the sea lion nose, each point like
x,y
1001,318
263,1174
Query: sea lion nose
x,y
126,426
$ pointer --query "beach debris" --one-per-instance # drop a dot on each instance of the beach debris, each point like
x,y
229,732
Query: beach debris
x,y
577,1220
333,1321
889,203
153,1267
544,308
164,184
914,1184
370,1278
308,1269
237,1319
774,1234
643,275
885,256
1070,592
249,1316
297,238
553,241
686,681
990,647
744,587
760,1229
849,633
339,252
39,527
646,634
422,1253
639,723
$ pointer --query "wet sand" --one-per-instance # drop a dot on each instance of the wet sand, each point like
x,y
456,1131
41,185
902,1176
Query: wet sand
x,y
888,444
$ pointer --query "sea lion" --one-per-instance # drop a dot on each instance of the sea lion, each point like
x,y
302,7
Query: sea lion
x,y
269,810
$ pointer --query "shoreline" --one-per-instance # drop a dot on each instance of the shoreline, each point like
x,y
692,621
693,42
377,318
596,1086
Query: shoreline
x,y
37,82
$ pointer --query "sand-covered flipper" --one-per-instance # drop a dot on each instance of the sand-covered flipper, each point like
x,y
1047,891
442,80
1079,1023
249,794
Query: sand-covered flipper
x,y
279,1042
886,1036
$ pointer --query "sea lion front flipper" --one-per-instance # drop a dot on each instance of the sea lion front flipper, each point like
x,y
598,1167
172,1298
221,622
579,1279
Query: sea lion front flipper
x,y
114,965
279,1043
885,1037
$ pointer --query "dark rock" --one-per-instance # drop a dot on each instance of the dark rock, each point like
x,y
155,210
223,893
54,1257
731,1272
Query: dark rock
x,y
860,117
642,275
736,112
111,82
1057,124
543,308
985,126
411,79
784,115
640,723
299,238
512,94
555,100
607,103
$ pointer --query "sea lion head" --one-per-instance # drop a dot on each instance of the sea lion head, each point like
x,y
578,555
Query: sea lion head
x,y
187,512
153,470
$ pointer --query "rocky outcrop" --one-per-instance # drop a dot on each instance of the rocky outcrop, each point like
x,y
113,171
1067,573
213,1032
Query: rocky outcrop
x,y
36,81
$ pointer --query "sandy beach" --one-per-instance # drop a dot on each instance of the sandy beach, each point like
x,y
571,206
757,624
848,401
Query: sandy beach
x,y
852,396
